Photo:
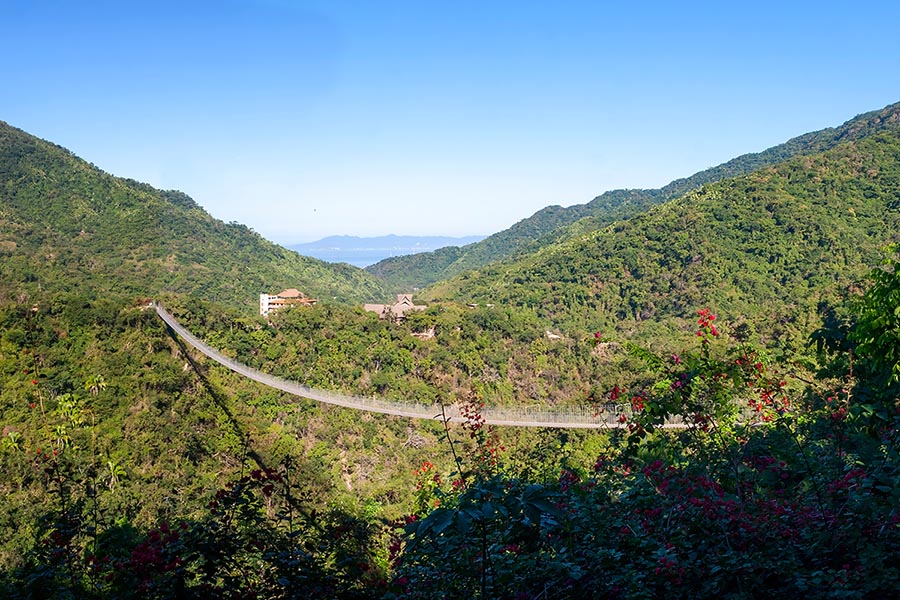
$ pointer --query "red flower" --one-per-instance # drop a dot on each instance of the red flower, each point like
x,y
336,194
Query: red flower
x,y
34,382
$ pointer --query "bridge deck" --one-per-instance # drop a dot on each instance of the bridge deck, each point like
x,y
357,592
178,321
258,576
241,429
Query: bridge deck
x,y
559,417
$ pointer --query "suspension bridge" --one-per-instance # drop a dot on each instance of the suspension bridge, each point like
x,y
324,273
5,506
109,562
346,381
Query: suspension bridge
x,y
563,417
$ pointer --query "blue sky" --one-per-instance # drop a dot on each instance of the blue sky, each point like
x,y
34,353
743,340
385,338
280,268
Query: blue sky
x,y
307,119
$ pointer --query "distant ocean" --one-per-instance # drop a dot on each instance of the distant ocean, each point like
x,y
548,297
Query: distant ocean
x,y
362,252
357,257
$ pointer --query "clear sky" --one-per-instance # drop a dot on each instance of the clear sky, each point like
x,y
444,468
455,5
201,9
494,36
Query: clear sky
x,y
303,119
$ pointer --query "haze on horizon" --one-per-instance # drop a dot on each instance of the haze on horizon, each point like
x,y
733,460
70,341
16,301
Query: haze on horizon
x,y
309,119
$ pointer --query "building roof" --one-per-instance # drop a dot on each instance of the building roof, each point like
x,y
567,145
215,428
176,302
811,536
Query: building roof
x,y
403,304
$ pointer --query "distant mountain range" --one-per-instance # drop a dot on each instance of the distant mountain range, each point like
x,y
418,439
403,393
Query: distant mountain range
x,y
365,251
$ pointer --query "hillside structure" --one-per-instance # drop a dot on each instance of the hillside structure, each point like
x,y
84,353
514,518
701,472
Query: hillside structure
x,y
395,311
288,297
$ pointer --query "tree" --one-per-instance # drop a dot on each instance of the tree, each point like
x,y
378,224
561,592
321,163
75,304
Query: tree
x,y
877,330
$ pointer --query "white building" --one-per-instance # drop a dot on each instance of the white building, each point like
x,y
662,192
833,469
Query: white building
x,y
270,302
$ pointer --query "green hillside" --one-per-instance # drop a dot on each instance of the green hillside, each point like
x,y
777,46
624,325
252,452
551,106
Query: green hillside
x,y
769,246
132,466
65,224
92,384
555,222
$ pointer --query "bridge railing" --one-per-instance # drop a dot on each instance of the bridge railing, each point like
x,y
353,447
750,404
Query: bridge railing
x,y
569,417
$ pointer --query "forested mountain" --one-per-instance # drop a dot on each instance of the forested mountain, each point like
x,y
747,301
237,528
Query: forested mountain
x,y
93,386
556,222
769,246
132,466
65,224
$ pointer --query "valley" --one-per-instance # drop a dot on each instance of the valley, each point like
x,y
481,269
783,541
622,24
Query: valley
x,y
754,304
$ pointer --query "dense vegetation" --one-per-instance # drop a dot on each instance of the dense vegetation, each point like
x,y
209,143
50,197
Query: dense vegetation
x,y
129,466
66,224
556,223
115,442
801,497
504,355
